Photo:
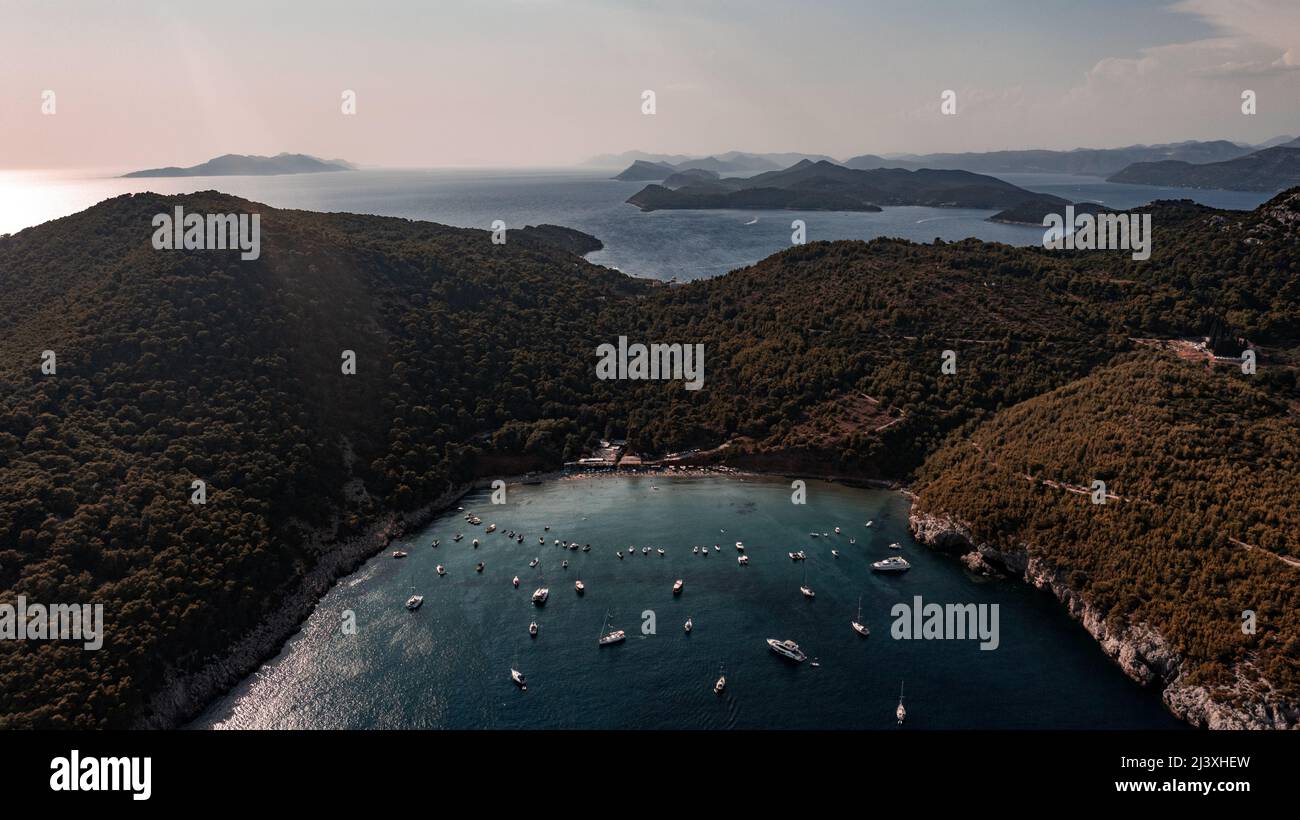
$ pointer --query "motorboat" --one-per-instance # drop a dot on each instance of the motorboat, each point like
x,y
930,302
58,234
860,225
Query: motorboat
x,y
515,581
479,568
540,595
894,563
743,560
580,587
398,554
677,587
413,603
442,570
787,649
532,629
518,678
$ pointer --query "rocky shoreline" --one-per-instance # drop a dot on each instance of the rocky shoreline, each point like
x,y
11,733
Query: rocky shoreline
x,y
1139,649
184,696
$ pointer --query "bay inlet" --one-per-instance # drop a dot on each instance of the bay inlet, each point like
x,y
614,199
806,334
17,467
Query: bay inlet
x,y
447,664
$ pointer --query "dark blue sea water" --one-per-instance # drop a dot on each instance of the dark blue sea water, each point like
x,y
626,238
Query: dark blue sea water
x,y
684,245
447,665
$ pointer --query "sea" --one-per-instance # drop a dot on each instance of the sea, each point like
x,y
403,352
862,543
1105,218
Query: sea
x,y
362,660
666,245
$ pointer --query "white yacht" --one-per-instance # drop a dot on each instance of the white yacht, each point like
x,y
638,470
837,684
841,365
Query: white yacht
x,y
870,523
807,591
475,543
837,530
645,550
518,678
836,553
688,625
717,548
677,587
721,683
620,555
493,528
742,560
740,546
787,649
398,554
895,546
900,712
580,587
858,626
540,594
532,629
661,552
442,570
413,603
611,637
894,563
696,549
533,562
515,581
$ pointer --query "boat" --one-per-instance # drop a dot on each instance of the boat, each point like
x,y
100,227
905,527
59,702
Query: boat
x,y
837,530
620,555
742,560
895,546
547,527
797,556
705,552
475,543
807,591
696,549
518,678
540,594
441,570
533,562
519,539
479,568
579,586
815,663
688,625
564,564
836,553
611,637
541,540
893,563
516,582
661,552
717,548
436,542
557,542
853,540
869,523
740,546
677,587
787,649
814,535
900,712
721,682
398,554
645,550
858,626
458,537
532,629
586,547
493,528
413,603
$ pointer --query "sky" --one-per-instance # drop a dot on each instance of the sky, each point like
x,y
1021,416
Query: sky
x,y
554,82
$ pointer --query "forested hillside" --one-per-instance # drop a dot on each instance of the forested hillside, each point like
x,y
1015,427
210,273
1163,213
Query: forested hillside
x,y
176,366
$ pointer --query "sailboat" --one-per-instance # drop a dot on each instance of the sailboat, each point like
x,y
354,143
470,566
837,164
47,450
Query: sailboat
x,y
858,626
722,680
413,603
900,712
804,588
612,637
518,678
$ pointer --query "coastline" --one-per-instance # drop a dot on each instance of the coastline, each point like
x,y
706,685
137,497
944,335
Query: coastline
x,y
1140,650
1142,653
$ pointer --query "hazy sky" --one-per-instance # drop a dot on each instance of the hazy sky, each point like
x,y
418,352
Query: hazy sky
x,y
544,82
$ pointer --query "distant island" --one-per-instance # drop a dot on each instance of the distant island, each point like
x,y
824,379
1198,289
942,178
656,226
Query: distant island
x,y
1080,161
825,186
1273,169
249,165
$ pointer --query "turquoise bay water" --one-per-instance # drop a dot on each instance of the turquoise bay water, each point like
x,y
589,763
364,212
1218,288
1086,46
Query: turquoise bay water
x,y
447,665
663,245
